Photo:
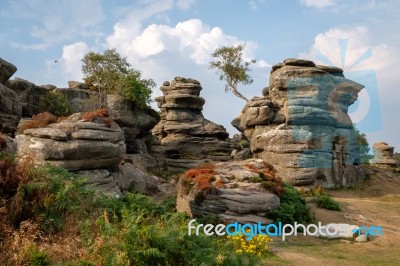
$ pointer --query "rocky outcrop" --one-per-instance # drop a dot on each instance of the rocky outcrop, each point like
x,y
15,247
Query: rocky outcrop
x,y
29,95
301,125
10,106
383,155
233,191
187,137
6,71
7,145
135,123
73,144
125,178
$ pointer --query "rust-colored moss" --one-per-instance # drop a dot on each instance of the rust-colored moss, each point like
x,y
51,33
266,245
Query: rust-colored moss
x,y
38,121
98,116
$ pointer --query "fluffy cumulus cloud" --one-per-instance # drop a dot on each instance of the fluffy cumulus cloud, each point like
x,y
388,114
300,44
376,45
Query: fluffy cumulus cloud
x,y
318,3
191,38
71,59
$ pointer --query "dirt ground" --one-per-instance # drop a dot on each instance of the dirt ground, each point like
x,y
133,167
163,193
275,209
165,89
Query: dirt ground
x,y
374,202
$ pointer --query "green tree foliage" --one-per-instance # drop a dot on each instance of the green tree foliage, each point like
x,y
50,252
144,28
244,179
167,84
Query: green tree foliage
x,y
231,67
55,103
111,73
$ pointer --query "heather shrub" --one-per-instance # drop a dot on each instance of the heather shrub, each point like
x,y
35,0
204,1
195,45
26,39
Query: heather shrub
x,y
38,121
98,116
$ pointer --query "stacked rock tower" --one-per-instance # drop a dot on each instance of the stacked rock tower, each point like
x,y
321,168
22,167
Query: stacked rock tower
x,y
188,138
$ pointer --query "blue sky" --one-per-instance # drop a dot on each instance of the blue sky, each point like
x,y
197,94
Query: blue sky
x,y
167,38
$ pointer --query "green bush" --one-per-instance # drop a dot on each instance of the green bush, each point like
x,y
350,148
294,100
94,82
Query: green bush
x,y
326,202
293,208
36,257
55,103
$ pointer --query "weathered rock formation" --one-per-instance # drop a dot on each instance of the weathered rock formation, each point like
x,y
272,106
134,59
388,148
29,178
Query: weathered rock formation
x,y
187,137
301,125
29,95
92,150
383,155
10,107
73,144
6,70
233,191
135,123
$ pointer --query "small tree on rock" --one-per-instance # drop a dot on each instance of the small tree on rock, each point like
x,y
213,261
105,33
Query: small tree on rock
x,y
232,68
111,73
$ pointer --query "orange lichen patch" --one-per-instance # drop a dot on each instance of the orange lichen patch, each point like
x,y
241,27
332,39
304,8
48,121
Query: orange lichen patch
x,y
100,115
203,181
219,183
91,116
38,121
193,173
3,142
201,177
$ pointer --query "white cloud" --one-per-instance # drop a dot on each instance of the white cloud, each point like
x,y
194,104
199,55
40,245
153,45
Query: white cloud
x,y
191,38
185,4
56,21
318,3
71,59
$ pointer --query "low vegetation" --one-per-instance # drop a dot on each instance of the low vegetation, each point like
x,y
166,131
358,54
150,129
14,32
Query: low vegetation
x,y
326,202
38,121
98,116
49,216
54,103
293,208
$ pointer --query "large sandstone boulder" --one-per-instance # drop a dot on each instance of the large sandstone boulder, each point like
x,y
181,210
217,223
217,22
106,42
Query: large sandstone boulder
x,y
135,123
187,137
29,95
301,125
10,106
383,155
73,144
6,71
10,110
241,191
